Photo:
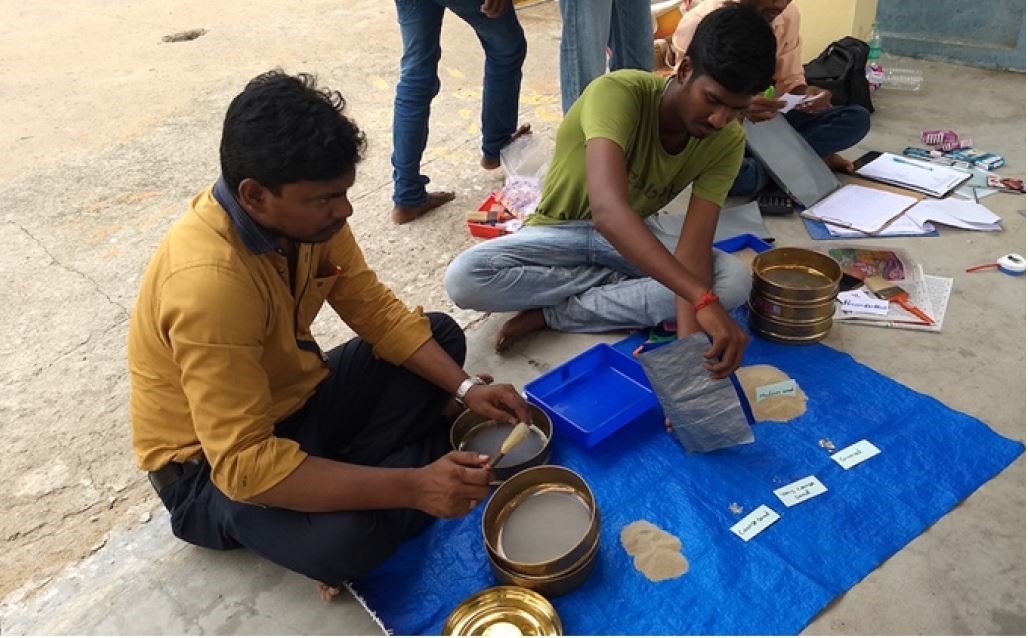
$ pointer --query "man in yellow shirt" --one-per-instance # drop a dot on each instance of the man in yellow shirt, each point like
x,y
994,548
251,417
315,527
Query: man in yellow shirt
x,y
826,129
252,436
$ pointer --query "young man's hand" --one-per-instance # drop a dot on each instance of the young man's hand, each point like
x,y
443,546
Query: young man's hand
x,y
497,402
823,101
729,341
452,486
763,109
494,8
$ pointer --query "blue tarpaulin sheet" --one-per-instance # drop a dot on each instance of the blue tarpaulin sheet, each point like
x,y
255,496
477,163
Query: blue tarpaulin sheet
x,y
931,459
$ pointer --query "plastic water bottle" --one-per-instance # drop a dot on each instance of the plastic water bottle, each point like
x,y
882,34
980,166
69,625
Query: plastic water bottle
x,y
873,71
903,79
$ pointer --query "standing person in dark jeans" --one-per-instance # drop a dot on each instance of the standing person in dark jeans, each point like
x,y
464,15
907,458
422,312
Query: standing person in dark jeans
x,y
827,129
590,27
252,436
503,41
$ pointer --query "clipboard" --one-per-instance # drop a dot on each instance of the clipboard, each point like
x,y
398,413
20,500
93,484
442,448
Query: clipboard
x,y
871,156
867,186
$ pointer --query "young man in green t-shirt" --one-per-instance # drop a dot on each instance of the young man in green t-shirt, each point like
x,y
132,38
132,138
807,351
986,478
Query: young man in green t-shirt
x,y
592,258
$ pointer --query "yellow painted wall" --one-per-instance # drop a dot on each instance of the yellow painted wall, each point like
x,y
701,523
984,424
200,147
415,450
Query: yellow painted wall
x,y
825,21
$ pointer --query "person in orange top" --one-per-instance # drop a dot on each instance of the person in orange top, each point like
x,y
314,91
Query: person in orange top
x,y
827,129
252,436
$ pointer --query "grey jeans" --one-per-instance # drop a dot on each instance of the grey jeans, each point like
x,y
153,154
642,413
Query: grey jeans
x,y
579,280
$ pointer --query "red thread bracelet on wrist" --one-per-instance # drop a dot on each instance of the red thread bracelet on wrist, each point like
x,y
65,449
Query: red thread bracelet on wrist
x,y
708,298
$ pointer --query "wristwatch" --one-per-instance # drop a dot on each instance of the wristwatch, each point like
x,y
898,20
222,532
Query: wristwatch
x,y
465,385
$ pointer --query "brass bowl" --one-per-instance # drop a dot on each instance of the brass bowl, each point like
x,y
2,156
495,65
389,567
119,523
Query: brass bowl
x,y
554,585
796,276
469,425
561,488
504,611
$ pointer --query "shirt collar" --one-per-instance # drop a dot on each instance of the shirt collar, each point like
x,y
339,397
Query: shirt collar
x,y
257,239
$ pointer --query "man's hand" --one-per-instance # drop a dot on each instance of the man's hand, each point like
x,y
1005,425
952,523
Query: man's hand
x,y
823,101
452,486
762,109
494,8
729,340
497,402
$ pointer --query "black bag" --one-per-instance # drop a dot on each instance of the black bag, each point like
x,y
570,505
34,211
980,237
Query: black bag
x,y
840,69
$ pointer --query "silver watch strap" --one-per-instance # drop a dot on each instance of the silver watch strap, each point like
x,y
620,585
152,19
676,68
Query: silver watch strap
x,y
465,385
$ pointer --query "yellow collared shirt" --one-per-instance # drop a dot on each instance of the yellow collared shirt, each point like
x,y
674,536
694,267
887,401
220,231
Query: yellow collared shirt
x,y
220,347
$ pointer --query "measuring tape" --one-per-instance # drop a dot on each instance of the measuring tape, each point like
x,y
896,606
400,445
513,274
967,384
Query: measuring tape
x,y
1010,264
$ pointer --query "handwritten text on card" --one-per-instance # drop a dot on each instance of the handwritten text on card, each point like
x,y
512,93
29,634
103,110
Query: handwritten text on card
x,y
755,522
855,454
801,490
782,389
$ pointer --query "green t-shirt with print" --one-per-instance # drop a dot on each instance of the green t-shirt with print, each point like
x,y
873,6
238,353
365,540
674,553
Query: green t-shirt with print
x,y
623,107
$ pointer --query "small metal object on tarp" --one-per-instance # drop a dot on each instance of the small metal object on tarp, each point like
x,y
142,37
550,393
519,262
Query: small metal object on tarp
x,y
504,611
705,414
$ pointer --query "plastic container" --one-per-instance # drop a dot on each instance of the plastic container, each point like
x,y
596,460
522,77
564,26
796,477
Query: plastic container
x,y
903,79
595,394
873,71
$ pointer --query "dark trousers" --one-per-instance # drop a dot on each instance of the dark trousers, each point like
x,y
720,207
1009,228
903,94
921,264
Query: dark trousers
x,y
367,412
827,132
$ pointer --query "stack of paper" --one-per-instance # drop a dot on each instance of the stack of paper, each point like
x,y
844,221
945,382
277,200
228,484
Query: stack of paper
x,y
906,172
957,213
928,293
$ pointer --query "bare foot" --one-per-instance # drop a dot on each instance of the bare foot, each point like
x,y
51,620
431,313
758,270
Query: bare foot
x,y
490,163
524,323
405,214
839,163
328,594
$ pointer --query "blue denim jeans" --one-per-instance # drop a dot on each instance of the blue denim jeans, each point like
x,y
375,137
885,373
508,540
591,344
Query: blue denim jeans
x,y
590,26
505,47
581,282
827,132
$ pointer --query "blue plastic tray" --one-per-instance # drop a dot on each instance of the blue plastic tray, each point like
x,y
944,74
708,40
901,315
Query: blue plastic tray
x,y
595,394
739,242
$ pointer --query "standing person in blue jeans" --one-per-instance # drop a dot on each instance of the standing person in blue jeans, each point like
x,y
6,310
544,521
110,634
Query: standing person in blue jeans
x,y
592,257
503,41
590,27
826,129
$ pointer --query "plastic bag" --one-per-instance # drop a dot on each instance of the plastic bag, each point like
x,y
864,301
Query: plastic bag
x,y
705,414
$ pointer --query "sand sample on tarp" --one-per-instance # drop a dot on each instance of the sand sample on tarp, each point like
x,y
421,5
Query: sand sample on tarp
x,y
780,408
657,554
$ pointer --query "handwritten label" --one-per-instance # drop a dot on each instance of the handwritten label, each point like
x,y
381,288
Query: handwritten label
x,y
855,454
755,522
801,490
781,389
859,301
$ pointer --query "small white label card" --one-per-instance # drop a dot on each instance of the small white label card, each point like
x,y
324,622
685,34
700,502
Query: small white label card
x,y
855,454
860,301
798,491
755,522
785,388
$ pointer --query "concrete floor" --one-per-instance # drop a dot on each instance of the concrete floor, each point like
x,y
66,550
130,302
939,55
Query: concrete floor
x,y
113,132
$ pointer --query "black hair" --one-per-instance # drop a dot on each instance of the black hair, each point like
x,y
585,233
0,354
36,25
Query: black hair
x,y
736,47
283,129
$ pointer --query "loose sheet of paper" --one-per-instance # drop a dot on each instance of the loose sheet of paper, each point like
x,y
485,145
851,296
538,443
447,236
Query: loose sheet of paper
x,y
855,454
755,522
954,212
792,100
802,490
859,208
930,293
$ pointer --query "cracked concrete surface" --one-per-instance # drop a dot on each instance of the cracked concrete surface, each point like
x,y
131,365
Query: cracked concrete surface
x,y
109,131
